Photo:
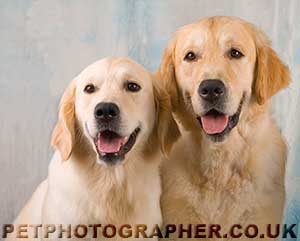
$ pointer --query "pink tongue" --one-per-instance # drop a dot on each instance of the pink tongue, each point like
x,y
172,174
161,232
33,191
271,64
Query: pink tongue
x,y
214,124
110,145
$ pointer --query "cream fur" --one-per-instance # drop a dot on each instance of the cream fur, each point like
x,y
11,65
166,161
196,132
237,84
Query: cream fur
x,y
81,189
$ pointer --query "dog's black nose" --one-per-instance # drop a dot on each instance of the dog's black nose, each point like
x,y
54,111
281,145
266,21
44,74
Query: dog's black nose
x,y
211,89
106,111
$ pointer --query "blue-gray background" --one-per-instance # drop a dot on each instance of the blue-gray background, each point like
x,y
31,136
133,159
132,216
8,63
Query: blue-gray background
x,y
44,44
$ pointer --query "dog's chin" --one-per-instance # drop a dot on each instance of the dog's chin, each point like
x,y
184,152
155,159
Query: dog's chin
x,y
217,125
111,147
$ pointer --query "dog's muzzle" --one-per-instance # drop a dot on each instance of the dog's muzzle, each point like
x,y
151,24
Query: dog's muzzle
x,y
111,146
214,122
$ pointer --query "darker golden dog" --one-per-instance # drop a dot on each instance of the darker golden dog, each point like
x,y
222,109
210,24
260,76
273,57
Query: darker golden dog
x,y
229,166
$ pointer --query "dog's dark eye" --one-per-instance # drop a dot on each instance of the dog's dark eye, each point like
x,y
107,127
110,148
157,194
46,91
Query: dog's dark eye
x,y
90,88
235,54
190,56
133,87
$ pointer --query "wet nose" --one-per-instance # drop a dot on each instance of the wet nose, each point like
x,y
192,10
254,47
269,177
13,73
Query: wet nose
x,y
211,89
106,111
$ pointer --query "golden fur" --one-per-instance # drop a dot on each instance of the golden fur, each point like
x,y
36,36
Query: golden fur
x,y
80,189
239,180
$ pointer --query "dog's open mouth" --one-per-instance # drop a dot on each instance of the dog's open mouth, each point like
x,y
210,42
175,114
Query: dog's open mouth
x,y
217,124
214,122
112,147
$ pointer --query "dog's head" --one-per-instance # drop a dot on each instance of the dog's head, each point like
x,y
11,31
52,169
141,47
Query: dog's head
x,y
215,68
116,107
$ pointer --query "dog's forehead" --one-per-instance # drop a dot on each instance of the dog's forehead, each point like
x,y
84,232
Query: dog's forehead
x,y
191,36
221,30
234,32
94,71
114,69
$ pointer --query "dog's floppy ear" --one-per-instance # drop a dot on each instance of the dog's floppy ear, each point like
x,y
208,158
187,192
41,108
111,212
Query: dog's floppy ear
x,y
166,73
166,127
63,136
271,74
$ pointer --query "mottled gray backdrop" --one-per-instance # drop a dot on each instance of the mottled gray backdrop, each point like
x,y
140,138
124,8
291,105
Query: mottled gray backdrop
x,y
44,44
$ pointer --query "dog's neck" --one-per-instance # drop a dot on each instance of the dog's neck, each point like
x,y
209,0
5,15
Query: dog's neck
x,y
116,187
217,161
222,159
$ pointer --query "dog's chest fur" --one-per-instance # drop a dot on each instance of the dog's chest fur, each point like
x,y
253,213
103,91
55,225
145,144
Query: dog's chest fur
x,y
226,186
225,191
118,196
224,196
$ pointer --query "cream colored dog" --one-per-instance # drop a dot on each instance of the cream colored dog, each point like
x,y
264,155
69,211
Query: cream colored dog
x,y
113,126
229,167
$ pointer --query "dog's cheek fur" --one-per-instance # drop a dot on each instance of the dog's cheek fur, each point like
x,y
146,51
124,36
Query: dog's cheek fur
x,y
166,77
63,136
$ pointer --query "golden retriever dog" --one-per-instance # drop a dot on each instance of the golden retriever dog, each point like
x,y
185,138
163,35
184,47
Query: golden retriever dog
x,y
229,166
114,124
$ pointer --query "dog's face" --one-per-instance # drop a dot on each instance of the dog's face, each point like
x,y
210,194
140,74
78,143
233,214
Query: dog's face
x,y
219,64
117,108
214,69
115,104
